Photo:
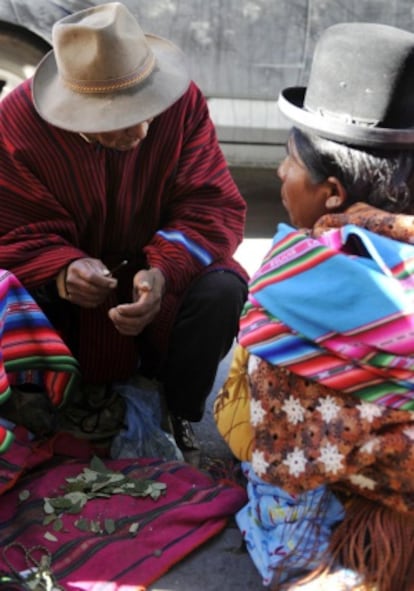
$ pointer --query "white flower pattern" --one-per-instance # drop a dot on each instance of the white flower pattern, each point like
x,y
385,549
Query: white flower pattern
x,y
370,446
257,412
253,363
259,463
296,461
331,458
369,411
319,435
362,481
328,408
409,432
294,410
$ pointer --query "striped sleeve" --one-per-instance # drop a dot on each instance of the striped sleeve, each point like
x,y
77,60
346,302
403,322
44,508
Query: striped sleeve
x,y
206,213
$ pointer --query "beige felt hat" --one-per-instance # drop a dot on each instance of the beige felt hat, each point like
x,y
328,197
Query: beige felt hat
x,y
104,73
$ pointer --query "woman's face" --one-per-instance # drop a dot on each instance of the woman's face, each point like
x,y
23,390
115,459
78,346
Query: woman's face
x,y
304,200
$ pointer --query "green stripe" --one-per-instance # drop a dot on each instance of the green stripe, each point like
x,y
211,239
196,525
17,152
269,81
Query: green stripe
x,y
8,440
57,362
297,262
374,393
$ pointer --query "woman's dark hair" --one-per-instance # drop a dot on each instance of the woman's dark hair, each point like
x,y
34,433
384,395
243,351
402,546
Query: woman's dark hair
x,y
381,178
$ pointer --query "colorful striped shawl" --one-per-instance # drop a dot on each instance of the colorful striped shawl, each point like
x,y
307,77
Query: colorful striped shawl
x,y
28,345
335,316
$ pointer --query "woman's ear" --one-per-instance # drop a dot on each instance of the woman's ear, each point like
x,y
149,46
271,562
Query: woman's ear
x,y
336,197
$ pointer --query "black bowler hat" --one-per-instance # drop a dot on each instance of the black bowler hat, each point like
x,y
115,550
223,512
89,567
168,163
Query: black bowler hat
x,y
361,87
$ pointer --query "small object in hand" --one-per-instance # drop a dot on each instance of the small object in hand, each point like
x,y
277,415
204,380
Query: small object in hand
x,y
112,271
144,286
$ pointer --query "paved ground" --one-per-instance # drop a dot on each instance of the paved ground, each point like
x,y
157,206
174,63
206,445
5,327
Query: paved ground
x,y
222,564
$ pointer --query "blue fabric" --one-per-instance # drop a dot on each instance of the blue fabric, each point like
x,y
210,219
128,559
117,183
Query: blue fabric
x,y
143,436
341,282
276,525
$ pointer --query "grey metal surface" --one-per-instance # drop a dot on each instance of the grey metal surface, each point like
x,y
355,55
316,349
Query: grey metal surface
x,y
221,564
240,52
236,48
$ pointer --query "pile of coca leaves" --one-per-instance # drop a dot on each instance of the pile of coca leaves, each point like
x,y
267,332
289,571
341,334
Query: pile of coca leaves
x,y
95,482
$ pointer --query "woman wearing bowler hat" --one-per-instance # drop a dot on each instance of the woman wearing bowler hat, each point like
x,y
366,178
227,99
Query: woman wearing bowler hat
x,y
326,340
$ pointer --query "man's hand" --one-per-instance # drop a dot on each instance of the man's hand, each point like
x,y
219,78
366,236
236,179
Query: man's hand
x,y
148,289
85,282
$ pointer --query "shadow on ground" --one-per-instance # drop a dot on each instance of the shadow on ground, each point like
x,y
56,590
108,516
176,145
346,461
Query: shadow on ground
x,y
223,564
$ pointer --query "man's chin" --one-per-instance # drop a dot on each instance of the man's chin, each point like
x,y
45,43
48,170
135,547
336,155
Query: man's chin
x,y
121,147
125,148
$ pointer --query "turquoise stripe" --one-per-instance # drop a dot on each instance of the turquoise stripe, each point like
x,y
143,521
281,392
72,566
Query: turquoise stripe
x,y
194,249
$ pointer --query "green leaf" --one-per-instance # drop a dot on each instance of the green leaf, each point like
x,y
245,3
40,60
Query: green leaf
x,y
50,537
88,475
76,498
75,508
95,527
98,465
82,524
58,524
159,485
24,495
133,528
47,507
59,504
109,526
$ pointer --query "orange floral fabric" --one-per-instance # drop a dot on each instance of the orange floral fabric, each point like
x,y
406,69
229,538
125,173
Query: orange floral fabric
x,y
307,435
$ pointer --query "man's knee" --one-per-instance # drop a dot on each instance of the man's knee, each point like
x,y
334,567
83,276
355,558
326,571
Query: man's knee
x,y
221,288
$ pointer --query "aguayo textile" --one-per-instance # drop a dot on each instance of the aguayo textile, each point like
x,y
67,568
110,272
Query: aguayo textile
x,y
30,349
338,310
170,203
147,536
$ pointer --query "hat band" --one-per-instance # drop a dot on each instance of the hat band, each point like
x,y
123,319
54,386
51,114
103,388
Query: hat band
x,y
340,131
103,86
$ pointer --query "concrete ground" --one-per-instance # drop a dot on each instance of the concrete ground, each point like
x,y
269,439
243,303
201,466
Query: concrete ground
x,y
222,564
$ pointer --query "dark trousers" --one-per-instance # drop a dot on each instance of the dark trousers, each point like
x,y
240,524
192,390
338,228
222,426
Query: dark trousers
x,y
203,333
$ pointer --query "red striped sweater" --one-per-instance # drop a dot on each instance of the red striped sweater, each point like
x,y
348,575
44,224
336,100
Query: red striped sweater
x,y
170,203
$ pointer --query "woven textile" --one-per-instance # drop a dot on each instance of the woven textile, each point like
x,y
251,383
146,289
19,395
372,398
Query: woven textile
x,y
30,349
193,509
338,310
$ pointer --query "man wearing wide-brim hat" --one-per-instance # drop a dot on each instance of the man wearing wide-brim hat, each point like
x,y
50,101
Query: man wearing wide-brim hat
x,y
118,211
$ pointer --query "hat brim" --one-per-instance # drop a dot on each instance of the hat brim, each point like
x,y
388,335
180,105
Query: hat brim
x,y
96,113
291,103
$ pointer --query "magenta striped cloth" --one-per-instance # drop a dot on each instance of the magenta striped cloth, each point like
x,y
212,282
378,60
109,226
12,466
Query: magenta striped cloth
x,y
194,509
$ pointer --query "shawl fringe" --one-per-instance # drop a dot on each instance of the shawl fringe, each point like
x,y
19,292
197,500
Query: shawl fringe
x,y
375,542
